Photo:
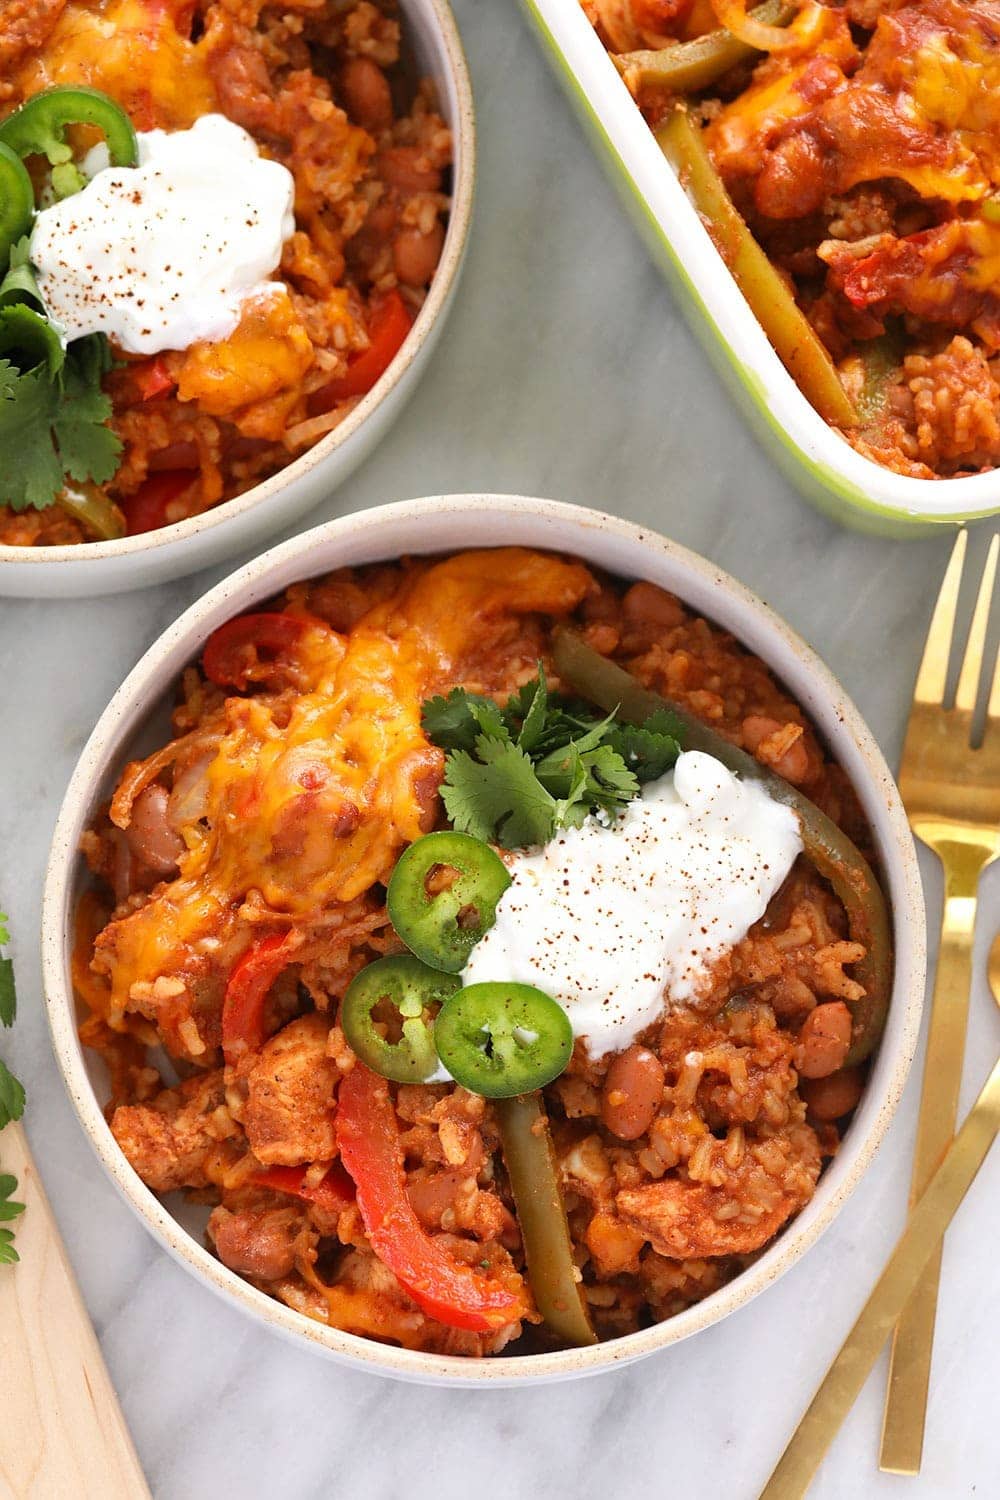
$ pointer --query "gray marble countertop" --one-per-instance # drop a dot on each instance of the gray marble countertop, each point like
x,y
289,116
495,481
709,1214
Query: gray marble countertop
x,y
565,371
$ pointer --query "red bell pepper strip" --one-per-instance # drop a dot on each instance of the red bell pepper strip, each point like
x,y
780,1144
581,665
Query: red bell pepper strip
x,y
332,1193
152,378
233,651
370,1149
390,323
247,990
146,510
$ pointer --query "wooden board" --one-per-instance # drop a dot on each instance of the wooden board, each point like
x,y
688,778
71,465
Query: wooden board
x,y
63,1436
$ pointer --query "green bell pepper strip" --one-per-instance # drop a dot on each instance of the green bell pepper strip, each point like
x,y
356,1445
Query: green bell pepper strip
x,y
881,358
413,991
17,201
687,67
499,1039
39,128
541,1214
93,509
442,897
789,330
829,849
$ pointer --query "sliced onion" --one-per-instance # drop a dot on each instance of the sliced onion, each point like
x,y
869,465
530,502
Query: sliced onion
x,y
732,14
189,797
139,773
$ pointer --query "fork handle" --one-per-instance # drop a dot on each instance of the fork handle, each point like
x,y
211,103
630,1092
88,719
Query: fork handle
x,y
913,1343
853,1365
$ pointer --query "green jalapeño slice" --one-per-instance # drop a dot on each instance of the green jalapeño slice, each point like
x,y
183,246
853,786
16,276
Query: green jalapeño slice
x,y
39,128
388,1016
17,202
443,897
501,1039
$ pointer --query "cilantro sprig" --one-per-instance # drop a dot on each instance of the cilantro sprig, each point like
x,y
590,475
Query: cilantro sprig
x,y
53,411
514,775
11,1103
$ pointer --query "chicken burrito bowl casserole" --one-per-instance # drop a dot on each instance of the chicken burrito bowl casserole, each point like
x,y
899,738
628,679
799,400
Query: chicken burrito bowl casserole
x,y
217,224
845,158
493,951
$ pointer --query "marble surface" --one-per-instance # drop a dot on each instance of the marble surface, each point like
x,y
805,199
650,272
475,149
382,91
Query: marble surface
x,y
565,371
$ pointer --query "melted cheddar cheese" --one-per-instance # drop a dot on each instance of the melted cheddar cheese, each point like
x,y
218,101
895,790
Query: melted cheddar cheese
x,y
306,796
132,50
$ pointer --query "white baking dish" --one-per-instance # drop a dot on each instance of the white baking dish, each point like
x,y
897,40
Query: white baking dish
x,y
818,461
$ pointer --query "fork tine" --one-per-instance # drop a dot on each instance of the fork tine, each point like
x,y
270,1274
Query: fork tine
x,y
972,663
933,674
993,707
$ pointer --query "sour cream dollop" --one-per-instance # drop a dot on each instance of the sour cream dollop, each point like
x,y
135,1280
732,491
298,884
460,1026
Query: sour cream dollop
x,y
616,920
162,255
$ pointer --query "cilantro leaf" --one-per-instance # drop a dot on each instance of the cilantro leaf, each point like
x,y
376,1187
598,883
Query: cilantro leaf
x,y
31,473
9,1210
8,995
514,775
11,1097
20,284
649,749
456,722
88,448
527,711
29,340
54,426
497,797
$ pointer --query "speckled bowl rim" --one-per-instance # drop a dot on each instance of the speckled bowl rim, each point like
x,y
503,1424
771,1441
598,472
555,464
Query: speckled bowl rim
x,y
459,521
435,305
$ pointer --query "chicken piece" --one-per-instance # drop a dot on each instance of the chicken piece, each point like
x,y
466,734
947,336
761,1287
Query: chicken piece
x,y
289,1115
260,1245
688,1220
171,1141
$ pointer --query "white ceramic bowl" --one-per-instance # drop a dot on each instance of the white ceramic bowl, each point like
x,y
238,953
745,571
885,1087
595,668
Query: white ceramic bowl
x,y
825,469
235,526
441,524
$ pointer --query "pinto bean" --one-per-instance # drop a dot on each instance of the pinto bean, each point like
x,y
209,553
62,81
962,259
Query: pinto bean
x,y
151,839
261,1245
780,746
366,93
409,169
633,1091
834,1096
415,255
645,604
824,1040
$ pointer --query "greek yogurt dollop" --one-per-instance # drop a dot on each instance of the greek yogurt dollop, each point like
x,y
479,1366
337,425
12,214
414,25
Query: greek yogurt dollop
x,y
616,920
162,255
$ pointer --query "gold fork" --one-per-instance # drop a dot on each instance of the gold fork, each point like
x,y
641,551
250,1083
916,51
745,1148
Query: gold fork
x,y
951,792
928,1222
